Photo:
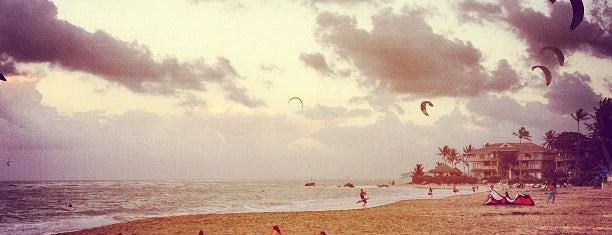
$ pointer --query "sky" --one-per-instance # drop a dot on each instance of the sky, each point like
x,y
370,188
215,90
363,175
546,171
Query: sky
x,y
199,89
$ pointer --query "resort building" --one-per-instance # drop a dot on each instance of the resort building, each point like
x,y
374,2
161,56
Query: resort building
x,y
526,160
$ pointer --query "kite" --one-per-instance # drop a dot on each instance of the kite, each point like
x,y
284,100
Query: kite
x,y
297,98
546,73
577,12
2,77
557,52
494,199
424,107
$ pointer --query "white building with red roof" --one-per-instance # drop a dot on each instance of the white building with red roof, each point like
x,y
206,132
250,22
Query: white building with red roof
x,y
528,159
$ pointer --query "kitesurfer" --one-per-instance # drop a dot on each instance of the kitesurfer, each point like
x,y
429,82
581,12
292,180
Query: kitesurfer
x,y
362,195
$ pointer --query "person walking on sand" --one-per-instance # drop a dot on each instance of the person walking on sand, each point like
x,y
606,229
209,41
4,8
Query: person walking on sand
x,y
276,230
363,197
430,193
552,192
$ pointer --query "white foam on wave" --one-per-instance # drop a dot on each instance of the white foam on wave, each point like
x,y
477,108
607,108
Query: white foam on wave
x,y
52,227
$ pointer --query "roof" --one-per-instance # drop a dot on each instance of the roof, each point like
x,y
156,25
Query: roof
x,y
443,168
511,147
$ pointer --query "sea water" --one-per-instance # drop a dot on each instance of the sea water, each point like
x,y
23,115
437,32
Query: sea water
x,y
58,206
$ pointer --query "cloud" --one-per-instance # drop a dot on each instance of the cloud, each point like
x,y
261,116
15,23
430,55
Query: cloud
x,y
569,92
31,33
492,112
324,112
345,2
539,30
403,53
317,62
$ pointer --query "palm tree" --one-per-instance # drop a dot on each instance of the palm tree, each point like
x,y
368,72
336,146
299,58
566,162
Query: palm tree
x,y
464,158
418,171
453,157
444,152
522,134
580,115
549,139
601,129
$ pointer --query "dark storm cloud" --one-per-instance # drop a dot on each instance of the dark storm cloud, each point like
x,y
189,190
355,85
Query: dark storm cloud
x,y
571,92
539,30
31,32
403,53
491,111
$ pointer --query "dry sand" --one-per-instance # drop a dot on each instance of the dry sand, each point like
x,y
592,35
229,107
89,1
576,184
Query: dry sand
x,y
576,210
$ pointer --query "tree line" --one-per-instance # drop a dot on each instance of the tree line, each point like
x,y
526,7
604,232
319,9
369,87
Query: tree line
x,y
591,152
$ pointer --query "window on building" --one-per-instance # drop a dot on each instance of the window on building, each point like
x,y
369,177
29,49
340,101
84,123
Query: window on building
x,y
535,165
527,156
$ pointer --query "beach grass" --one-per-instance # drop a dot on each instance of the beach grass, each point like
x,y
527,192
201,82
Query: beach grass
x,y
577,210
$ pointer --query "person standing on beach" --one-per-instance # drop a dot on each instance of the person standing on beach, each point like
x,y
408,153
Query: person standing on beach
x,y
552,192
430,193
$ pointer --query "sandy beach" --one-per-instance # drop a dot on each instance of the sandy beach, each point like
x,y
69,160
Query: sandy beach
x,y
577,210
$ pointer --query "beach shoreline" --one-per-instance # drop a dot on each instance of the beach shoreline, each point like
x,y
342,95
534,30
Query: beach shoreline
x,y
582,210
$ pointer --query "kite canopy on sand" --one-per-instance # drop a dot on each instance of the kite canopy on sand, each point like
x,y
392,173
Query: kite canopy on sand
x,y
424,107
494,199
557,52
547,74
2,77
296,98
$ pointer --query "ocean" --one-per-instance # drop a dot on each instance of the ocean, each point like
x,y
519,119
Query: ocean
x,y
43,207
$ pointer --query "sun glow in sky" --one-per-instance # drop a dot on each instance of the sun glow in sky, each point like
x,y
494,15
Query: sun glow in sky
x,y
198,89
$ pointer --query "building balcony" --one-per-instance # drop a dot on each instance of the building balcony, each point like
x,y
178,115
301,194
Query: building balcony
x,y
484,168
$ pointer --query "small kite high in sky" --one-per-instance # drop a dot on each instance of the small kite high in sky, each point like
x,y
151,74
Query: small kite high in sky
x,y
557,52
424,107
2,77
547,74
296,98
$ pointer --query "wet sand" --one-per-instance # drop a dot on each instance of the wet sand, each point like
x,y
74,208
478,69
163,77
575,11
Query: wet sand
x,y
577,210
